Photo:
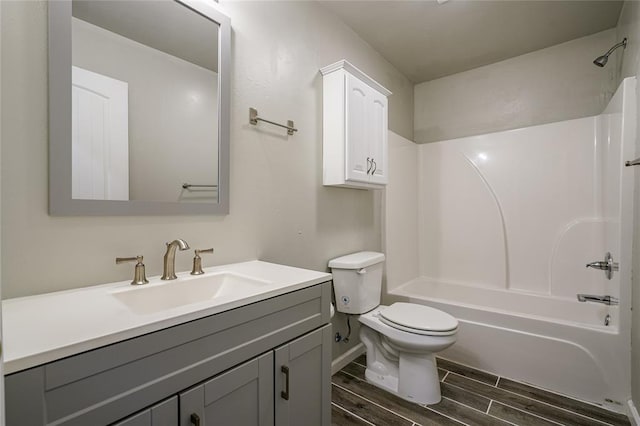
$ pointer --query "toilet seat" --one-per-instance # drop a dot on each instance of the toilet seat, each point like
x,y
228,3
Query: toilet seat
x,y
409,340
419,319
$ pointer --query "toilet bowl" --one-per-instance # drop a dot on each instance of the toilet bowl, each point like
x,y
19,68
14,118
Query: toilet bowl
x,y
401,339
401,359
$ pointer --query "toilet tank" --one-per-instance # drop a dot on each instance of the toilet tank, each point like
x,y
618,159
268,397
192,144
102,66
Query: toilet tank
x,y
357,281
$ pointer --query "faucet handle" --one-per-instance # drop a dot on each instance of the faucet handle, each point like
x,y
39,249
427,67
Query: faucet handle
x,y
139,276
197,261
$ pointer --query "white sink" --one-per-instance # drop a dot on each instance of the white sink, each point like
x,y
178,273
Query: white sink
x,y
47,327
152,298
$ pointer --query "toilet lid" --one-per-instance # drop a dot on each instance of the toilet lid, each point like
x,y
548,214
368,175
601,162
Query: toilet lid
x,y
418,317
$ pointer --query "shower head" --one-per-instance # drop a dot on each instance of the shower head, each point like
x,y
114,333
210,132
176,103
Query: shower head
x,y
601,61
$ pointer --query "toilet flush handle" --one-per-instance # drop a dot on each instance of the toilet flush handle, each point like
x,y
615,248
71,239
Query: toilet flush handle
x,y
362,271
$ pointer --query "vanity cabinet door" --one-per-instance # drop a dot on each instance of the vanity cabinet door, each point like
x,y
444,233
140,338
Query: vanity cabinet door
x,y
162,414
303,380
140,419
242,396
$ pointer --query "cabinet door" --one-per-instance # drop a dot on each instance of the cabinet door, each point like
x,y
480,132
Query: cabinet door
x,y
378,127
357,131
242,396
303,380
162,414
140,419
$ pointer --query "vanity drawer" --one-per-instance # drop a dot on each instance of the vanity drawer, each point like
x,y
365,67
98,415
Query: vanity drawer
x,y
104,385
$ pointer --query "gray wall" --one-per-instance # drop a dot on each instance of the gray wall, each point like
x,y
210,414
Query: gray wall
x,y
629,65
553,84
280,211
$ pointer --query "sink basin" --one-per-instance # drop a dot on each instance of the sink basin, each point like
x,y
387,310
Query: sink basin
x,y
159,297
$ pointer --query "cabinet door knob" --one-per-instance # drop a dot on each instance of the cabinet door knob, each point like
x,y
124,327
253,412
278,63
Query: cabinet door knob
x,y
285,393
369,165
195,419
375,166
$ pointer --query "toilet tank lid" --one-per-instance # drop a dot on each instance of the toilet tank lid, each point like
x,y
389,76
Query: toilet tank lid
x,y
358,260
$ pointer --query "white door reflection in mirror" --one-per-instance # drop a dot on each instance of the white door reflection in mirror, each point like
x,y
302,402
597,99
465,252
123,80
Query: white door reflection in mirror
x,y
100,139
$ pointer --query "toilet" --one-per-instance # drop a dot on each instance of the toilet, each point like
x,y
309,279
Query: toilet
x,y
401,339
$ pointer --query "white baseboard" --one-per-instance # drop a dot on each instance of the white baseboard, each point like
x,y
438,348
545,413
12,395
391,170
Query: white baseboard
x,y
344,359
634,417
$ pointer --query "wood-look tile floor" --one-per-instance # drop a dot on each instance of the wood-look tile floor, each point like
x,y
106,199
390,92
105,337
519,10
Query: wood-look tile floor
x,y
469,397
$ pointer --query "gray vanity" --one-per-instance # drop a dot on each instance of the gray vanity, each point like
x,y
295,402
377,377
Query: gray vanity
x,y
264,361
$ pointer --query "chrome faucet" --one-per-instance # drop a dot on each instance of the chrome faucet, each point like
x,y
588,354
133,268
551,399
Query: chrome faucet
x,y
607,300
169,269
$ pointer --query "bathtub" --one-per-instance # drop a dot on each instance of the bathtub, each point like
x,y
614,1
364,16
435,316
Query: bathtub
x,y
549,342
499,234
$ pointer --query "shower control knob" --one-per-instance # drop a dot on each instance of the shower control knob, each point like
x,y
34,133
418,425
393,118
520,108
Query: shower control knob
x,y
608,265
598,265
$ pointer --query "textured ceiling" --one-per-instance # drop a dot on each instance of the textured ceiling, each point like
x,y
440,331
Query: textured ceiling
x,y
161,24
426,40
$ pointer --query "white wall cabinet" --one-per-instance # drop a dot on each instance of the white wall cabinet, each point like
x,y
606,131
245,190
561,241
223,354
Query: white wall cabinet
x,y
355,128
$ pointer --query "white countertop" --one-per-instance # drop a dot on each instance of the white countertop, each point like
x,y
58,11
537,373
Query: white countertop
x,y
43,328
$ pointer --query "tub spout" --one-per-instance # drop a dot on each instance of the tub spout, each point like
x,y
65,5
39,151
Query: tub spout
x,y
607,300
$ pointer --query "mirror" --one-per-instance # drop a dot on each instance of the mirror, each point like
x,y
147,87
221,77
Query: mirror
x,y
139,108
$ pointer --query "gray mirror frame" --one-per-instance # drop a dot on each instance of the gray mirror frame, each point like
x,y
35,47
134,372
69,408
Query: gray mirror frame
x,y
60,201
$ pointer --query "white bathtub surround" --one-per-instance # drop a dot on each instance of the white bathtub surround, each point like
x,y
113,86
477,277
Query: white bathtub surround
x,y
506,224
401,215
